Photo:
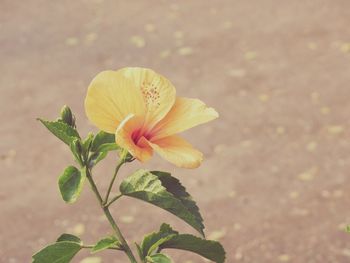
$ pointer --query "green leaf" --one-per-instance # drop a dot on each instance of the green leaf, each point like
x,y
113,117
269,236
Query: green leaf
x,y
61,130
71,183
96,157
152,241
60,252
88,142
77,151
209,249
174,186
102,138
158,258
106,243
106,147
69,237
148,187
102,143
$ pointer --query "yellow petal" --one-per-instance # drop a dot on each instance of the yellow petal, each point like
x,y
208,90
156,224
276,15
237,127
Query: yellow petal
x,y
177,151
110,98
123,137
158,93
185,114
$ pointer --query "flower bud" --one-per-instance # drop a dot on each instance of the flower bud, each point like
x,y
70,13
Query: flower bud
x,y
67,116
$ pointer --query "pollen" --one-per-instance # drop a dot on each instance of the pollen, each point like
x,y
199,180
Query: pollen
x,y
151,94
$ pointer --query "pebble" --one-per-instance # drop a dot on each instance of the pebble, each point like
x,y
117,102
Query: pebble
x,y
311,146
138,41
216,235
335,129
150,28
294,195
165,53
91,260
284,258
280,130
264,97
308,175
250,55
72,41
325,110
78,229
127,219
185,51
236,73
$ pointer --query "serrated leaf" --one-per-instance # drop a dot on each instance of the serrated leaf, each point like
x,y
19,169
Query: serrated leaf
x,y
102,138
61,130
159,258
69,237
174,186
152,241
148,187
60,252
106,243
71,183
209,249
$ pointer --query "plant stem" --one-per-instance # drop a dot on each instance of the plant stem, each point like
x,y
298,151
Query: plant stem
x,y
121,162
91,246
113,200
110,218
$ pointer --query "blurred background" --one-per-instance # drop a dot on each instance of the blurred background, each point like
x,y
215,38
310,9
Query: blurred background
x,y
274,184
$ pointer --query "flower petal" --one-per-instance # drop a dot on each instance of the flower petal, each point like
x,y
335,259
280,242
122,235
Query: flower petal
x,y
123,137
158,93
110,98
185,114
177,151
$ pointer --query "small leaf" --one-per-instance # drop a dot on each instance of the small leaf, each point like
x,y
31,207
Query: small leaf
x,y
71,183
77,150
152,241
69,237
106,243
108,147
96,157
88,142
61,130
102,138
174,186
60,252
158,258
148,187
209,249
100,146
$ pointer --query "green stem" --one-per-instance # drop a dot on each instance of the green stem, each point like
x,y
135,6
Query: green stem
x,y
110,218
113,200
121,162
92,246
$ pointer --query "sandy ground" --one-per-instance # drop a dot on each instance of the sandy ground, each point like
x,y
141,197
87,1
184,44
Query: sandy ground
x,y
274,185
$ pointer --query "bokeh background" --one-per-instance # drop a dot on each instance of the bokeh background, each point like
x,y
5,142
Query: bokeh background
x,y
274,186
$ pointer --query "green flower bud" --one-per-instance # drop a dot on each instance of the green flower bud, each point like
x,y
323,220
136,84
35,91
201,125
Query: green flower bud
x,y
67,116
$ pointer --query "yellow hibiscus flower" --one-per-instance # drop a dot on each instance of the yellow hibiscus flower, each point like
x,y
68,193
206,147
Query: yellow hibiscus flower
x,y
140,107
